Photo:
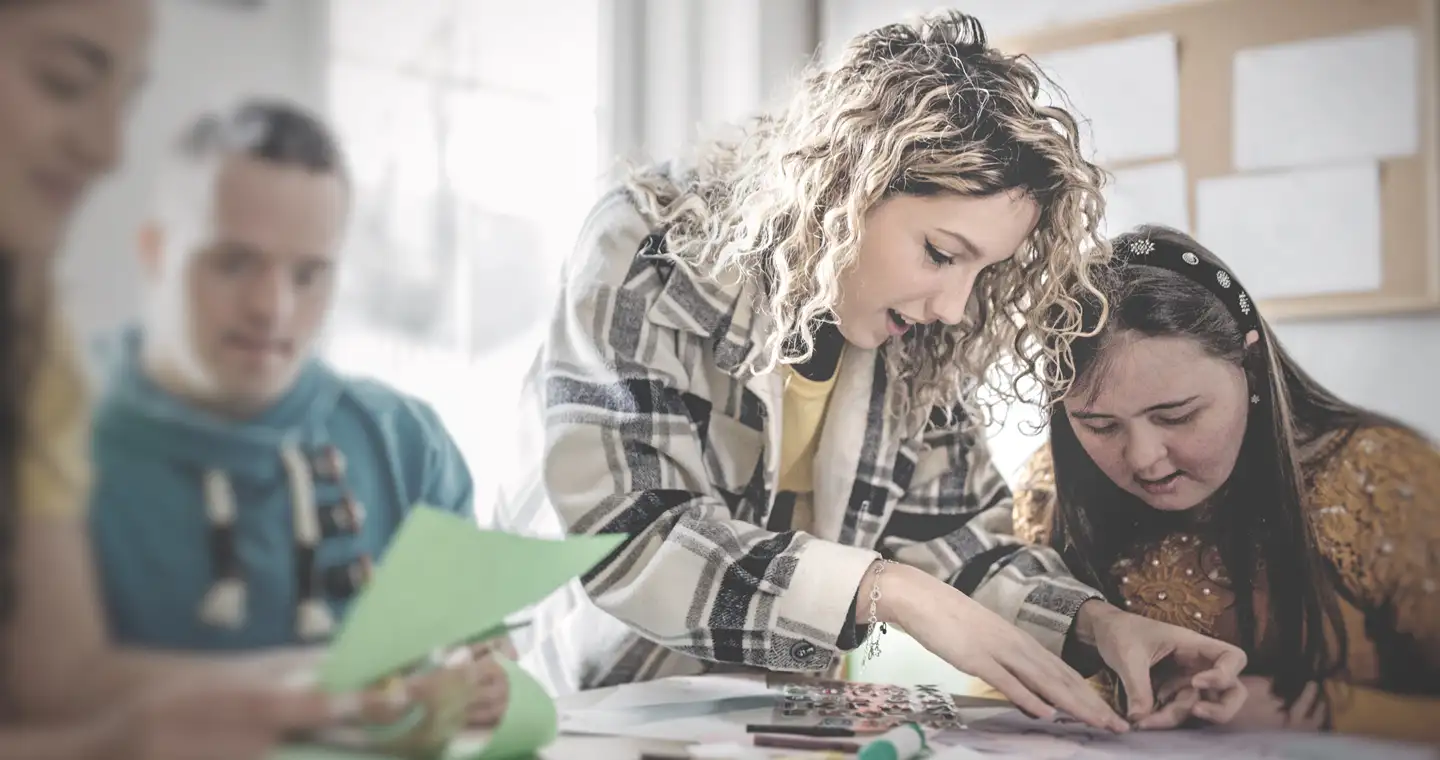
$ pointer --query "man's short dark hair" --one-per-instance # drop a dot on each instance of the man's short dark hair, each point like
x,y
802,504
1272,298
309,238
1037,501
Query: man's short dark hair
x,y
269,130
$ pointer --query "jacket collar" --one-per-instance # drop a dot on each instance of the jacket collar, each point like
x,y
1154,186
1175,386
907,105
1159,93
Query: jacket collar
x,y
718,308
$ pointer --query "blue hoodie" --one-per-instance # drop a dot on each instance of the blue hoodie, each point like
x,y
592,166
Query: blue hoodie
x,y
221,535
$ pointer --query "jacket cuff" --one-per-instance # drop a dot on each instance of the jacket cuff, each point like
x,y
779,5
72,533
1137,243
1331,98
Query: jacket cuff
x,y
1048,614
854,633
821,601
1085,659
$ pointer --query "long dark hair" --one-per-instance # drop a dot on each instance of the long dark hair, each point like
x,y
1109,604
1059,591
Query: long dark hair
x,y
21,331
20,343
1258,518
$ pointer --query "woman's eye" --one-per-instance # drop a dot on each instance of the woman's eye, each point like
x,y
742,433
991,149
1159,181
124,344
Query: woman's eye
x,y
1181,420
936,256
61,86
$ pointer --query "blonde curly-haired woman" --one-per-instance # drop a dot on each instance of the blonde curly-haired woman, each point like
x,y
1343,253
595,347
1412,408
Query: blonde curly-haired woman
x,y
763,368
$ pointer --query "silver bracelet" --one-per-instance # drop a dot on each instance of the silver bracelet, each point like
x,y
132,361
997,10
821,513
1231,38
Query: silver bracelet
x,y
877,628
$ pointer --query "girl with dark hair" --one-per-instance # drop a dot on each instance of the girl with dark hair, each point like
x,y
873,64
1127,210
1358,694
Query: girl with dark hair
x,y
1196,474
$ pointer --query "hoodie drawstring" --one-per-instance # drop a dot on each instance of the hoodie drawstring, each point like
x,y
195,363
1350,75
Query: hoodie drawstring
x,y
225,603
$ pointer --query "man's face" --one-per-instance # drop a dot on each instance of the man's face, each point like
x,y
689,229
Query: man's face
x,y
254,282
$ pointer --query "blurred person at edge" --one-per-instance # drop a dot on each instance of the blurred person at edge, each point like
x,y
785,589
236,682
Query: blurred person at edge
x,y
244,489
68,70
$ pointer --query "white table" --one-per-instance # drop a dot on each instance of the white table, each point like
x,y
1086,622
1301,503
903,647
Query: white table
x,y
1306,746
1196,745
610,748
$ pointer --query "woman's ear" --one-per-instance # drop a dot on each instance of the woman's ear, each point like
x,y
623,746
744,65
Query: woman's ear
x,y
1251,338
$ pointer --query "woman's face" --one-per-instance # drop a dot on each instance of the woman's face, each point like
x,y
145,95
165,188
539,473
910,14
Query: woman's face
x,y
1164,421
919,257
68,68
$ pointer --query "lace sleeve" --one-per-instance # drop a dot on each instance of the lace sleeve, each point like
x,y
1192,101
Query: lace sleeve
x,y
1376,509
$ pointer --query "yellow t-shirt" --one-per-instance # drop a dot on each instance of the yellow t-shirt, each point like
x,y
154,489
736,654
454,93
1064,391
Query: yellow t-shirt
x,y
54,468
803,416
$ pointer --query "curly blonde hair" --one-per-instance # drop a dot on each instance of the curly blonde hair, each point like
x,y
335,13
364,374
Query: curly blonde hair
x,y
920,108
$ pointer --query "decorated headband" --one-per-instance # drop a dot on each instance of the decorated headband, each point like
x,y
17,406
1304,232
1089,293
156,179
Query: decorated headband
x,y
1141,250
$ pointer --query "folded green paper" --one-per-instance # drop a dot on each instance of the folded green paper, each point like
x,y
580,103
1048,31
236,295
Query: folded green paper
x,y
530,722
444,581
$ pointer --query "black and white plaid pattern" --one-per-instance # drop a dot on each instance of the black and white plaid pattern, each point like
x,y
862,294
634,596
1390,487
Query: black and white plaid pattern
x,y
642,421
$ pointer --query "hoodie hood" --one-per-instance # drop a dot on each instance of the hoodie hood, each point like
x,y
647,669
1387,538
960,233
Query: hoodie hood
x,y
134,407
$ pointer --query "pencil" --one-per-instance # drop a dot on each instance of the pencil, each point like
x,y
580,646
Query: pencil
x,y
798,730
805,743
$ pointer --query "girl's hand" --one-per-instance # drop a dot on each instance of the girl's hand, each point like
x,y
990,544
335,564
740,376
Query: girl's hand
x,y
1194,669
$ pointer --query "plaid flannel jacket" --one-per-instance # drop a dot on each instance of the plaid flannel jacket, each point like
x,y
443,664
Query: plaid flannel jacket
x,y
640,420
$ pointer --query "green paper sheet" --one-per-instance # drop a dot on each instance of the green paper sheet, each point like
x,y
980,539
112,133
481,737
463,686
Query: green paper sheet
x,y
530,722
444,581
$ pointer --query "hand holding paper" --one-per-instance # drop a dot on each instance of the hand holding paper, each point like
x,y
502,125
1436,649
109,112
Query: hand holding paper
x,y
443,584
529,724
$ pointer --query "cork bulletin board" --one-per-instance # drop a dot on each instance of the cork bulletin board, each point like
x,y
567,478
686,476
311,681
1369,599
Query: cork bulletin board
x,y
1208,35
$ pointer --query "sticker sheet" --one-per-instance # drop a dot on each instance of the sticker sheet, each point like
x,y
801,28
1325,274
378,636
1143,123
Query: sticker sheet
x,y
864,707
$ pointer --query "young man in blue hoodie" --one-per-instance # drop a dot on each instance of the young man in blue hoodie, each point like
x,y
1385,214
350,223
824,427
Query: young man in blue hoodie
x,y
244,488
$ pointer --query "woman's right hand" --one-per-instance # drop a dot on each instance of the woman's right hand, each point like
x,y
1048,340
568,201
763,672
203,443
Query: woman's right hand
x,y
979,642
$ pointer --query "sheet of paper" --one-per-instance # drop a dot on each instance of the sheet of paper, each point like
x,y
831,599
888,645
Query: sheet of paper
x,y
683,689
667,725
1014,735
958,752
1327,100
1296,233
529,722
439,584
1125,93
1150,194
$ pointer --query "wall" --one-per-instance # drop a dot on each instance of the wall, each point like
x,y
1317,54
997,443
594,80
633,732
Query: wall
x,y
205,54
684,69
1383,362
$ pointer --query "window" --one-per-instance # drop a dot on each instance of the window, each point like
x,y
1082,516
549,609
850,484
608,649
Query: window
x,y
472,131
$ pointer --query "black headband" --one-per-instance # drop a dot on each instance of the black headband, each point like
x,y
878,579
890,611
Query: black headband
x,y
1141,250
